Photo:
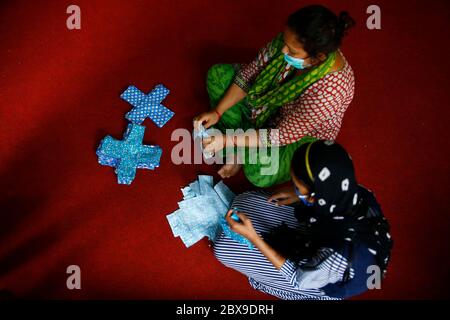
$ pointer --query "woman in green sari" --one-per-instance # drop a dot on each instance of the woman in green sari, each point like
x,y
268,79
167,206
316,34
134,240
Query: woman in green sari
x,y
295,91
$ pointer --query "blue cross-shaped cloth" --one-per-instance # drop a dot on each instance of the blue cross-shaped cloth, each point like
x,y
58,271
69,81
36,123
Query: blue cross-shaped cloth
x,y
129,154
147,105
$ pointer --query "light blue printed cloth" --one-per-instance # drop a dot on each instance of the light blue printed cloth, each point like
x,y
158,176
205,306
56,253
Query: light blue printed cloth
x,y
198,135
201,210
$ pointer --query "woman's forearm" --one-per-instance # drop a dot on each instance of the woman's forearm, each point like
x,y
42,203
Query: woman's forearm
x,y
233,95
273,256
250,139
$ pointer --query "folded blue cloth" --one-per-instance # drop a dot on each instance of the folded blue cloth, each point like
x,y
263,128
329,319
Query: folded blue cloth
x,y
201,212
147,105
129,154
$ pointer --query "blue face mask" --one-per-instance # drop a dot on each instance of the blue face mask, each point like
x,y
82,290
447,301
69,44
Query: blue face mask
x,y
295,62
303,197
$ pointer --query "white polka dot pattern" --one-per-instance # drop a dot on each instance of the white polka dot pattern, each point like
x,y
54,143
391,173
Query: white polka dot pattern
x,y
324,174
147,105
345,184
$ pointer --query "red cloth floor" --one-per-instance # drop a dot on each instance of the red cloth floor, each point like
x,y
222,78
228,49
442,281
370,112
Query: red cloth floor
x,y
59,93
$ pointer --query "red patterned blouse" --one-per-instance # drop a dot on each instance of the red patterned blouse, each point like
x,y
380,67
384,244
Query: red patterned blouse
x,y
317,112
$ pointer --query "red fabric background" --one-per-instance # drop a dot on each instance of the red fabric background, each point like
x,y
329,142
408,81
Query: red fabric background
x,y
59,93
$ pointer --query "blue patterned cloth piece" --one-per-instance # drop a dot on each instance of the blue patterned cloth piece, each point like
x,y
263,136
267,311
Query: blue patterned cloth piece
x,y
198,135
200,210
233,235
128,154
147,105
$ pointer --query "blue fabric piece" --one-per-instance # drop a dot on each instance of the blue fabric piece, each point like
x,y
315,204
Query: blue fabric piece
x,y
200,132
200,210
198,135
233,235
205,184
224,192
129,154
147,105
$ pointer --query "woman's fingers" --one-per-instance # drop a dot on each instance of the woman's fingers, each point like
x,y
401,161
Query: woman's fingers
x,y
208,123
281,199
242,217
214,143
208,119
229,219
207,141
209,147
284,202
277,196
198,120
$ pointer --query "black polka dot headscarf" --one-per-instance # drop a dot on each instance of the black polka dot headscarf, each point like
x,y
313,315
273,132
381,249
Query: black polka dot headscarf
x,y
329,171
340,213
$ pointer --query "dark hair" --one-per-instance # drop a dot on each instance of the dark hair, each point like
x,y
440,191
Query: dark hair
x,y
318,29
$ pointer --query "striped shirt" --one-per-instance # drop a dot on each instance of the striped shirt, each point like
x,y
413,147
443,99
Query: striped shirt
x,y
293,281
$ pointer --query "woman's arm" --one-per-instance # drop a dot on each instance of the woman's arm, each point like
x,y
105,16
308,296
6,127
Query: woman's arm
x,y
273,256
250,138
240,86
245,228
233,95
330,269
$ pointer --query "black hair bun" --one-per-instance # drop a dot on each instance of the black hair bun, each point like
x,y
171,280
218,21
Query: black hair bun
x,y
319,29
345,22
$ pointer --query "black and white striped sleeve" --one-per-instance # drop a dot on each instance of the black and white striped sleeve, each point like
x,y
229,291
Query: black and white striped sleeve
x,y
326,267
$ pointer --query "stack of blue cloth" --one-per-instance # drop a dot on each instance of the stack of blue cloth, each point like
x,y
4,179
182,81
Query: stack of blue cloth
x,y
130,154
201,212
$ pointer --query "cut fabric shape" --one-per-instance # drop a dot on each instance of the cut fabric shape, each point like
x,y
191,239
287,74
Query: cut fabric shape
x,y
200,212
147,105
233,235
200,134
129,154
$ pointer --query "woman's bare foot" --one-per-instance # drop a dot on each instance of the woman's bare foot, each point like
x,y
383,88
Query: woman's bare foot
x,y
229,170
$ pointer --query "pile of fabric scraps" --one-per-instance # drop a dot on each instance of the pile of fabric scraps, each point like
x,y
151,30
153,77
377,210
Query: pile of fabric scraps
x,y
201,211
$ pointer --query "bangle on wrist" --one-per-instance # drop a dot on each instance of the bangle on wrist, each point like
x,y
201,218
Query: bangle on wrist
x,y
218,113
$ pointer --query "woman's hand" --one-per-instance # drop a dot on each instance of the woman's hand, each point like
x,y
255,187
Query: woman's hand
x,y
284,197
214,143
244,227
208,119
